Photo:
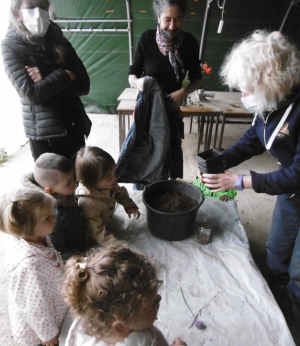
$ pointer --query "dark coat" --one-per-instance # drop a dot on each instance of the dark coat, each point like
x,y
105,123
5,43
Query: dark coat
x,y
285,148
51,107
144,152
69,234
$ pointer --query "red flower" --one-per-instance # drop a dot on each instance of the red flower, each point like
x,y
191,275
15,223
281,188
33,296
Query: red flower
x,y
205,68
208,70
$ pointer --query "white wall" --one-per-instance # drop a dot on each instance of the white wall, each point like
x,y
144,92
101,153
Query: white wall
x,y
11,127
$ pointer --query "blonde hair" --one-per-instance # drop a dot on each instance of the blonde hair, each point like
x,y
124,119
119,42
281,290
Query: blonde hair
x,y
265,63
111,283
21,209
93,165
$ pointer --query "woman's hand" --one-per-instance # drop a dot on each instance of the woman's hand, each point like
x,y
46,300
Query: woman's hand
x,y
52,342
174,100
34,73
219,182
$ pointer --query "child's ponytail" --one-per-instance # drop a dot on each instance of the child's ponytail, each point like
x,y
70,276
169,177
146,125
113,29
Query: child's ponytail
x,y
77,274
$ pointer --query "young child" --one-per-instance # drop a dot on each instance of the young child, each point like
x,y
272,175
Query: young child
x,y
113,294
36,308
98,192
54,174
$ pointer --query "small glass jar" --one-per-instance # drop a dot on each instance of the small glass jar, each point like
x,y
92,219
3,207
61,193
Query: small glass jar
x,y
204,233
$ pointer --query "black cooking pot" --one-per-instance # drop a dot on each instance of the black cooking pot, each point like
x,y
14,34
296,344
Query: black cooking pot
x,y
171,226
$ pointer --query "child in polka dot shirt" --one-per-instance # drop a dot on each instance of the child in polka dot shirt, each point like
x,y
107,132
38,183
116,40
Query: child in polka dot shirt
x,y
36,308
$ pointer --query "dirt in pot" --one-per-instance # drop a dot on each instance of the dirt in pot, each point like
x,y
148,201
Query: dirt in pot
x,y
174,202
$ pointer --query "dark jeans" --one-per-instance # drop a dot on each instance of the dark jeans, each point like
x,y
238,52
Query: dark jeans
x,y
283,246
65,146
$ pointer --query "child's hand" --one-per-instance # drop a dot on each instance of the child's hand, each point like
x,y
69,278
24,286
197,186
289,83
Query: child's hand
x,y
178,342
134,211
51,342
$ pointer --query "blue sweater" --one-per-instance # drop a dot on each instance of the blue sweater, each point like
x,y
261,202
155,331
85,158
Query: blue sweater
x,y
285,148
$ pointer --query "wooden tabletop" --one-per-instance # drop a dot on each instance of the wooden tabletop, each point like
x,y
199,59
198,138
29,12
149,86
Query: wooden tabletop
x,y
206,108
126,105
128,94
227,102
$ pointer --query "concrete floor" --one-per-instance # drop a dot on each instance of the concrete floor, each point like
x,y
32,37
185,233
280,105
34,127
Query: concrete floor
x,y
255,210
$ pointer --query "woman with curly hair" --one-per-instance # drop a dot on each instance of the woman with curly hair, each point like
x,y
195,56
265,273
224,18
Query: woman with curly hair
x,y
113,294
49,77
265,67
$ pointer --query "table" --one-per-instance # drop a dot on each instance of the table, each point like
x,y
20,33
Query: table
x,y
125,107
231,106
220,279
223,106
207,114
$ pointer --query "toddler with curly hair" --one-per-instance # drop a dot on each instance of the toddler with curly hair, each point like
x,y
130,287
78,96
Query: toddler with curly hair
x,y
113,294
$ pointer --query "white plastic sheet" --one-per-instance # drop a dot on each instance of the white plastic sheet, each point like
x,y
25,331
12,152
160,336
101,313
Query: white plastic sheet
x,y
219,279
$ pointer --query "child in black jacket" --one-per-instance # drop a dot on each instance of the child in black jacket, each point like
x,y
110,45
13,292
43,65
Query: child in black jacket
x,y
54,174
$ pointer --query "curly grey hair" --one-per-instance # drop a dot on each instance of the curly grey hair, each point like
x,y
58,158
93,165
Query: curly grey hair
x,y
265,63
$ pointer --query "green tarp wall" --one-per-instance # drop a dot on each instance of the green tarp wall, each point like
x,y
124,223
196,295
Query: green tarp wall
x,y
106,54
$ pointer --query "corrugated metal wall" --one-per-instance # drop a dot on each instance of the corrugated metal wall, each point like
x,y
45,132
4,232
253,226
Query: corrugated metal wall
x,y
106,54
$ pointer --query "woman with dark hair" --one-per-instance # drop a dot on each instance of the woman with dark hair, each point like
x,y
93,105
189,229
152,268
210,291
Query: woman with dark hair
x,y
49,77
167,54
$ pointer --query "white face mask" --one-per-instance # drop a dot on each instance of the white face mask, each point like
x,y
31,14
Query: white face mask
x,y
251,102
36,21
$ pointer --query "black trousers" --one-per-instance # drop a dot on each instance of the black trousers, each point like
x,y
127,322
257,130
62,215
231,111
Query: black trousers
x,y
66,146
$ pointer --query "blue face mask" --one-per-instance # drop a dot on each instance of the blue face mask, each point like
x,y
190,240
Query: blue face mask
x,y
252,102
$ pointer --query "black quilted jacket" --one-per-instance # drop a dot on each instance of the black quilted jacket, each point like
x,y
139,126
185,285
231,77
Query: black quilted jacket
x,y
51,107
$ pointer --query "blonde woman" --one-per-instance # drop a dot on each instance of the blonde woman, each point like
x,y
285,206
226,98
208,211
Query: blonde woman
x,y
265,67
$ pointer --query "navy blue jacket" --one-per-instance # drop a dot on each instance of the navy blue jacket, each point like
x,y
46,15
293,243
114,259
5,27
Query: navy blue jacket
x,y
285,148
143,155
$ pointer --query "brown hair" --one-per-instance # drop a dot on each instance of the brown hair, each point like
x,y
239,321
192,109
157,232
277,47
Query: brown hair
x,y
111,283
21,209
92,165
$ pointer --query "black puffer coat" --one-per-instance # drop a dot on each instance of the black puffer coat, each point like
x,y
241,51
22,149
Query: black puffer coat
x,y
52,106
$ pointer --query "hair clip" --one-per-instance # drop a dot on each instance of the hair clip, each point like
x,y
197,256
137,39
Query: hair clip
x,y
82,265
